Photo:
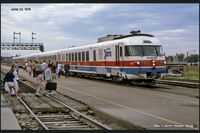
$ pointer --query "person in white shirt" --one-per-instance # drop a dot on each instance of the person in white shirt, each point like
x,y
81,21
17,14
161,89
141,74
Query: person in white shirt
x,y
15,82
26,66
58,69
48,75
44,65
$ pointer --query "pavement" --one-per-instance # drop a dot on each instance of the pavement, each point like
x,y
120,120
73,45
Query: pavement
x,y
151,110
8,119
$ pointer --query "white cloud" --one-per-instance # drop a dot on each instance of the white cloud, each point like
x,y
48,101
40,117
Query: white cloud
x,y
51,23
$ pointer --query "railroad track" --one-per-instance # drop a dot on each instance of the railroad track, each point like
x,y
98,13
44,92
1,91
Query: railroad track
x,y
70,120
168,82
66,119
61,122
179,83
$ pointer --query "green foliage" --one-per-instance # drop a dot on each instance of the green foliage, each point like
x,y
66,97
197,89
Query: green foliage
x,y
193,75
180,57
193,58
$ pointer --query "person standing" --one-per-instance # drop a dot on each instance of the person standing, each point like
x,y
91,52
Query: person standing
x,y
58,69
15,82
9,82
47,74
30,67
38,67
39,83
16,67
66,68
33,68
53,70
26,67
44,65
50,65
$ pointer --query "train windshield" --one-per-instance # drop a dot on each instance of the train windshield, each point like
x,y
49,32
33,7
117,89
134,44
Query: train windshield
x,y
147,50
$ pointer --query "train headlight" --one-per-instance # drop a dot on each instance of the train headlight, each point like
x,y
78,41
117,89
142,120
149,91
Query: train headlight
x,y
138,63
154,64
153,61
164,62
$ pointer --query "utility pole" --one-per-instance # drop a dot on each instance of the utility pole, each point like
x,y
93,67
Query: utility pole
x,y
32,36
19,37
17,33
14,37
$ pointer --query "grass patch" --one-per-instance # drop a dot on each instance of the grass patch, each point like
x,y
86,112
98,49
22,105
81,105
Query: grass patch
x,y
192,75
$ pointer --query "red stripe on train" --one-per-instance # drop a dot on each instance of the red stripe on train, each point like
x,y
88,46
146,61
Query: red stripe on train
x,y
120,63
143,63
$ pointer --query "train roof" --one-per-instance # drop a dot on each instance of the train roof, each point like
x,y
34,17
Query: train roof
x,y
136,39
128,40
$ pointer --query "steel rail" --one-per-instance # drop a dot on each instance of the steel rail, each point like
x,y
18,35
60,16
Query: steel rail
x,y
179,83
84,116
33,114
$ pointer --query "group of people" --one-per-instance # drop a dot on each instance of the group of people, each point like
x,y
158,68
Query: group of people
x,y
44,72
34,67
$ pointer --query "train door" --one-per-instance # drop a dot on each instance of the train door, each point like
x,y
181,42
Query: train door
x,y
119,55
118,69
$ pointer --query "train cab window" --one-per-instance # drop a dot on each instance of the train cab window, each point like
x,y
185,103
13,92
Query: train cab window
x,y
70,57
79,56
133,50
147,50
159,50
67,57
152,50
87,55
83,56
76,56
94,55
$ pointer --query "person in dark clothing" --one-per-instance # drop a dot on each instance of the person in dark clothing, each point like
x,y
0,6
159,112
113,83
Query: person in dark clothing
x,y
9,82
66,68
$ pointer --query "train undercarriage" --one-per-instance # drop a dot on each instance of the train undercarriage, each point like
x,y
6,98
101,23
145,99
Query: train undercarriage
x,y
148,80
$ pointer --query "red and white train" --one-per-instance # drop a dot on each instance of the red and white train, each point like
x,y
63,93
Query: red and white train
x,y
137,57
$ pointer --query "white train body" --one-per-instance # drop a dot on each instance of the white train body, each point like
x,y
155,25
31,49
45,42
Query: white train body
x,y
132,57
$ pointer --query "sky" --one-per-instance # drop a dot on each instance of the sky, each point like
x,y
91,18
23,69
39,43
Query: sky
x,y
60,26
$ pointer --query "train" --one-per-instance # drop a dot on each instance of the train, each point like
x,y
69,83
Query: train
x,y
136,57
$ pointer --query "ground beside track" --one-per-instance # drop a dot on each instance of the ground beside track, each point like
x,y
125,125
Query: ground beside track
x,y
141,107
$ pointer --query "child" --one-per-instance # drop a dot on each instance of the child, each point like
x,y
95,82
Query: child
x,y
39,83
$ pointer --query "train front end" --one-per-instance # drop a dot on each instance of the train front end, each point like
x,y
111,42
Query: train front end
x,y
145,58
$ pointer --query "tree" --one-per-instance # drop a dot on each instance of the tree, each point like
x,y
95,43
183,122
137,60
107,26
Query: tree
x,y
193,58
170,58
180,57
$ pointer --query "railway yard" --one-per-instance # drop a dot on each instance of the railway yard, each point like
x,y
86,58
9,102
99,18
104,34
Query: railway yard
x,y
97,104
